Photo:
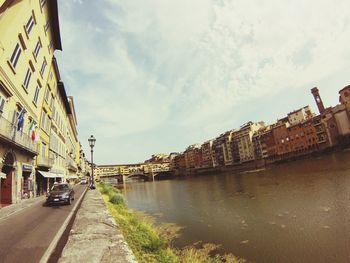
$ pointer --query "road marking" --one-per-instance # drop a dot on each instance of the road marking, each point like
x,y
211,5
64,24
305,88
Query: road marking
x,y
60,232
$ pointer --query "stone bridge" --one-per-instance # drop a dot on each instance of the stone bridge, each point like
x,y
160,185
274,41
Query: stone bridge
x,y
150,175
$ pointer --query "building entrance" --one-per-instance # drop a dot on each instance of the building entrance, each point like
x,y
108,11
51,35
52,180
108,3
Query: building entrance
x,y
7,181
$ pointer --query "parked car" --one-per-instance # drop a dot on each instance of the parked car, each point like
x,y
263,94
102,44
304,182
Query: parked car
x,y
83,181
61,193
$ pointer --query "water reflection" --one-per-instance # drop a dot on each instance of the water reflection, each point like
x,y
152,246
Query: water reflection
x,y
295,212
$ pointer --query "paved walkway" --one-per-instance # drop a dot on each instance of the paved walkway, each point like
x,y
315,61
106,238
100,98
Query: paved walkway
x,y
14,208
94,236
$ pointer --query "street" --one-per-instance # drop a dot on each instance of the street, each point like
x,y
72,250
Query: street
x,y
26,235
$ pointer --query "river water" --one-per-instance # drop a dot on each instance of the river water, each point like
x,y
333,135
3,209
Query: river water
x,y
292,212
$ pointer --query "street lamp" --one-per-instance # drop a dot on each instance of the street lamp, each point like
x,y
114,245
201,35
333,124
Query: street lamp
x,y
92,141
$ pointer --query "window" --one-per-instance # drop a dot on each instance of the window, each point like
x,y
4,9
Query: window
x,y
43,149
15,55
43,66
43,117
36,94
37,48
2,103
21,40
47,26
48,124
53,112
27,78
50,46
30,24
42,3
51,103
47,93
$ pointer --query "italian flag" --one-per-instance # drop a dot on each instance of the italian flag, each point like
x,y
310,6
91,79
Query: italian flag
x,y
32,132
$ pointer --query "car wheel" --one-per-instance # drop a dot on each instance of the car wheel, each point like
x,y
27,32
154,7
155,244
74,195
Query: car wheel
x,y
70,201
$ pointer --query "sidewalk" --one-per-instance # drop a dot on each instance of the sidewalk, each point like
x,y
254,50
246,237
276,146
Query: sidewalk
x,y
94,236
14,208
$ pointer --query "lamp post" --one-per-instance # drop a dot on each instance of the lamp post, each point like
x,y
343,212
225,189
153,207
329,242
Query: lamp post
x,y
92,141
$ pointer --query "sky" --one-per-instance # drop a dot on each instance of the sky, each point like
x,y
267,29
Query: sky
x,y
155,76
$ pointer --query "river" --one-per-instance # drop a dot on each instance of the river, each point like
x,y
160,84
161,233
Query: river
x,y
293,212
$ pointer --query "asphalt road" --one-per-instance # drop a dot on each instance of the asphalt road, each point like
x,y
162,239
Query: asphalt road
x,y
26,235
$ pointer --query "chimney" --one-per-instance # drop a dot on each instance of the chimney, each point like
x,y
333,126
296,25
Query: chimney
x,y
318,100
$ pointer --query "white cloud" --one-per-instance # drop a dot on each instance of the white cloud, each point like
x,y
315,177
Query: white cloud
x,y
135,67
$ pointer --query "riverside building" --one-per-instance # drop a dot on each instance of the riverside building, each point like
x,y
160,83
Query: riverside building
x,y
207,154
244,141
193,156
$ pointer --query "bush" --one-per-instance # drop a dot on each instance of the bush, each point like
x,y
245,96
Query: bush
x,y
117,199
166,256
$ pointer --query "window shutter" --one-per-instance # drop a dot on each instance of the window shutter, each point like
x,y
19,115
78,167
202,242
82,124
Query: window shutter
x,y
14,117
2,105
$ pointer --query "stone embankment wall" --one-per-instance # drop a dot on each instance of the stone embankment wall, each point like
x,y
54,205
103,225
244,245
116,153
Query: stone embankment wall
x,y
94,236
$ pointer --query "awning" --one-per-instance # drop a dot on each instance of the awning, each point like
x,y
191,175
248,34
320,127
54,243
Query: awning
x,y
50,175
2,175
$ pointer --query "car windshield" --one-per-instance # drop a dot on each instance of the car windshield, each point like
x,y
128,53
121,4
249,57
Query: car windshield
x,y
60,187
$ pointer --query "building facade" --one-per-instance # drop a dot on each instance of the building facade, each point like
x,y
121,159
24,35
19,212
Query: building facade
x,y
193,156
29,77
29,35
207,154
72,142
344,97
243,141
218,150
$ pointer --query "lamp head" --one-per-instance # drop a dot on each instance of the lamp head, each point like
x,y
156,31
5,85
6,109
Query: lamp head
x,y
92,141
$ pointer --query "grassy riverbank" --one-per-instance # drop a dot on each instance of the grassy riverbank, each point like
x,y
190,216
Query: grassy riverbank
x,y
153,244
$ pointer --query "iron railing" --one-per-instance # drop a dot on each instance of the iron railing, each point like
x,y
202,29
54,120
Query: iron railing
x,y
9,131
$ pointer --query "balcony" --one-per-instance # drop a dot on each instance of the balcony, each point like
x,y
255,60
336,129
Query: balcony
x,y
44,161
71,164
19,139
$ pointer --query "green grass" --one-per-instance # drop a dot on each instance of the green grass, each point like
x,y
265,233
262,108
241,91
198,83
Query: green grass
x,y
153,244
117,199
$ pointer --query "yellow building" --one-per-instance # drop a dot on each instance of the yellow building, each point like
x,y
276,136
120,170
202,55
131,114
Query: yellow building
x,y
52,166
29,35
72,142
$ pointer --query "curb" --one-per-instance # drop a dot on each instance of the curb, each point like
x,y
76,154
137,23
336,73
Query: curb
x,y
49,251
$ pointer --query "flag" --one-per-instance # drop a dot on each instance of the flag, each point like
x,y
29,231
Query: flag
x,y
32,132
20,120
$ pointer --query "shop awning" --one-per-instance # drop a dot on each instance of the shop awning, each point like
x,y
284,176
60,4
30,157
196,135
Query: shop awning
x,y
50,175
2,175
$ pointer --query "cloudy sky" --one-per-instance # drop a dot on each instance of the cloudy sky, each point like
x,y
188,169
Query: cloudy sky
x,y
155,76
